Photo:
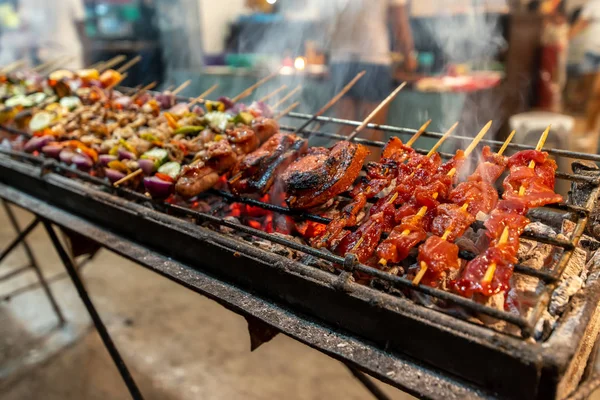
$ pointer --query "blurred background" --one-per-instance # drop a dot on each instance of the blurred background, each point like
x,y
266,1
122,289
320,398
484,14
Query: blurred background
x,y
521,63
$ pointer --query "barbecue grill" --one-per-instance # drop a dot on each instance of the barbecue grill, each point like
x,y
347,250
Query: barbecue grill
x,y
391,329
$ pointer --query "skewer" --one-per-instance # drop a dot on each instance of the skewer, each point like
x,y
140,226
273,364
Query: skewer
x,y
287,110
287,96
202,95
442,139
248,92
491,270
465,206
377,109
273,93
128,177
129,64
149,86
471,147
104,65
331,102
422,129
13,65
181,87
112,85
44,65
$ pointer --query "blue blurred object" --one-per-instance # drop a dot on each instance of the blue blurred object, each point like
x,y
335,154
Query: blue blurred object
x,y
260,18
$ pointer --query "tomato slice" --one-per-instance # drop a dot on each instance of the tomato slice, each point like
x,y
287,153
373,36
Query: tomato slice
x,y
164,177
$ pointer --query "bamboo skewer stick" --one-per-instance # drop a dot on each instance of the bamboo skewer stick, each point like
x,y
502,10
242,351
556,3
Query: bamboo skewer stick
x,y
181,87
374,113
331,102
248,91
287,110
273,93
129,64
112,85
104,65
287,96
47,64
491,270
422,129
149,86
128,177
13,65
202,95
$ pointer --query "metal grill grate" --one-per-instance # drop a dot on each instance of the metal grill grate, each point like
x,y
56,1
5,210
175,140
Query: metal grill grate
x,y
550,279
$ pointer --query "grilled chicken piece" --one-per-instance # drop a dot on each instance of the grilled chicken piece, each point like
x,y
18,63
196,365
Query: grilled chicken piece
x,y
256,172
323,174
243,139
204,173
265,128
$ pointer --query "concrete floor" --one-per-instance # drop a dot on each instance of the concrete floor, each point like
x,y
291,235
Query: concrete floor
x,y
178,344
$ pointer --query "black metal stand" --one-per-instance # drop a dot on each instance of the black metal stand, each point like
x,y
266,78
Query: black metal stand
x,y
368,384
100,327
21,239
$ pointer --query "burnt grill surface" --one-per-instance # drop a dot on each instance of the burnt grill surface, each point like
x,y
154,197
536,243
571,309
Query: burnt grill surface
x,y
432,336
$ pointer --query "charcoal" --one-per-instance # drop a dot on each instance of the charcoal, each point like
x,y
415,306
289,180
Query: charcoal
x,y
580,192
467,244
544,326
225,229
539,228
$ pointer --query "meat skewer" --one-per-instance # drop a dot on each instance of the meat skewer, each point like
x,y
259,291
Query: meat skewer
x,y
323,174
439,254
256,174
369,188
365,239
410,232
489,273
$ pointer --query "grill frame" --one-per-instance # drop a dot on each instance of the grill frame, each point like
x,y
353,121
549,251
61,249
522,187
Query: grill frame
x,y
310,288
505,352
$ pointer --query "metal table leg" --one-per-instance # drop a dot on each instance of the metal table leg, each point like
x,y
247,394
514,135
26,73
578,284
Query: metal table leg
x,y
368,384
100,327
21,238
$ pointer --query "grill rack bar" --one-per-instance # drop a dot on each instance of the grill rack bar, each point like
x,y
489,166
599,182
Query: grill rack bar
x,y
349,263
375,143
409,131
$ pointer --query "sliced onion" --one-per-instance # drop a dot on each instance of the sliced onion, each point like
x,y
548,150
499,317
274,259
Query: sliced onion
x,y
66,156
179,109
198,110
123,101
165,100
113,175
148,166
126,155
157,187
226,101
37,142
104,159
82,161
52,150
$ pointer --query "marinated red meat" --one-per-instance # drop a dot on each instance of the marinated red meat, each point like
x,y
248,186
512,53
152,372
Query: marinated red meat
x,y
480,195
452,218
440,256
398,244
472,277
